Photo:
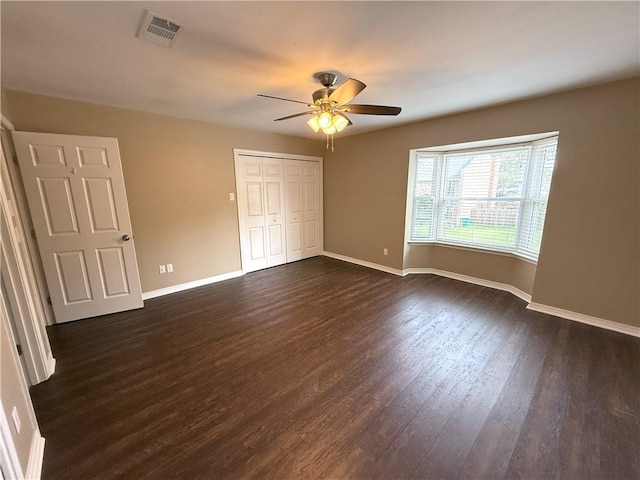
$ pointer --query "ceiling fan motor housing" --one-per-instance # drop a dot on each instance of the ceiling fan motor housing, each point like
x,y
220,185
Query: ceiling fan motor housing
x,y
322,94
327,80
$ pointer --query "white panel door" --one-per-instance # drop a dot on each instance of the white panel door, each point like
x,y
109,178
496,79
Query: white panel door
x,y
295,212
273,184
251,214
311,208
76,195
304,230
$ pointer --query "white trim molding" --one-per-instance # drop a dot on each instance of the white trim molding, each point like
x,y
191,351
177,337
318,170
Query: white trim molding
x,y
433,271
259,153
4,121
36,457
537,307
50,365
588,319
475,280
364,263
189,285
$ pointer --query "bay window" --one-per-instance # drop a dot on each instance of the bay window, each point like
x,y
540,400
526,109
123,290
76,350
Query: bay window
x,y
487,197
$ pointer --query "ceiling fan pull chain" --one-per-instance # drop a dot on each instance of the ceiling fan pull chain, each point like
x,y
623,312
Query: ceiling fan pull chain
x,y
331,142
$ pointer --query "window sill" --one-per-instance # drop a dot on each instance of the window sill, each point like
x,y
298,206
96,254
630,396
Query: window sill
x,y
468,248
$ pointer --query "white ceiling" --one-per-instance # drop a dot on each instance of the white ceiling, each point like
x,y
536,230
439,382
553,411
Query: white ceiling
x,y
430,58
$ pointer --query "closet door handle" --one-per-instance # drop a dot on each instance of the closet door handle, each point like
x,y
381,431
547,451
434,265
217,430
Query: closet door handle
x,y
126,237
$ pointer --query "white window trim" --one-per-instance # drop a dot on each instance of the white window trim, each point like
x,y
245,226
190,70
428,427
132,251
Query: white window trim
x,y
487,145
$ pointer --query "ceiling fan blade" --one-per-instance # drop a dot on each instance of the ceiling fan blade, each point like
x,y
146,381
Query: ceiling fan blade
x,y
286,99
310,112
347,90
371,109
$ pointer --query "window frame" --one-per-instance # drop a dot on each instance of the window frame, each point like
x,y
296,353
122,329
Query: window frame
x,y
526,201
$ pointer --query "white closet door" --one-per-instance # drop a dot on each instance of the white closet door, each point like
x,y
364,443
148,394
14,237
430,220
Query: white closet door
x,y
295,212
311,208
302,180
251,213
261,212
273,184
279,208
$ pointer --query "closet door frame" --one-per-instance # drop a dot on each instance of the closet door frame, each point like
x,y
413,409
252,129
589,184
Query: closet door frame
x,y
238,154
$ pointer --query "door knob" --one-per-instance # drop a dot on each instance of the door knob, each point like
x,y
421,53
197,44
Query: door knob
x,y
126,237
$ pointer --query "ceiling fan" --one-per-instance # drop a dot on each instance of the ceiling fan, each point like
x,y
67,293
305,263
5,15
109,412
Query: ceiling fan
x,y
331,104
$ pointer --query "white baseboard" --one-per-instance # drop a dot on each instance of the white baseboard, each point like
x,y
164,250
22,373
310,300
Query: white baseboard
x,y
588,319
36,457
538,307
475,280
50,366
364,263
186,286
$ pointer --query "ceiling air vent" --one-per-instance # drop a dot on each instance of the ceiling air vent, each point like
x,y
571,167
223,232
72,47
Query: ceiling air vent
x,y
158,29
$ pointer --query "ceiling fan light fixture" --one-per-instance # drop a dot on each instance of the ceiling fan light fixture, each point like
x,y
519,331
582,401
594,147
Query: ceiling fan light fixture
x,y
340,122
314,123
330,130
325,120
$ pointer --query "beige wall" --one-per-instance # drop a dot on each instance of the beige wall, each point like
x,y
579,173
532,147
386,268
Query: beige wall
x,y
4,104
589,260
178,174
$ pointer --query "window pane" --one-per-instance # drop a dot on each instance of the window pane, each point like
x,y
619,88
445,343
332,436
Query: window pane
x,y
498,173
482,222
543,159
547,171
531,229
425,181
423,199
422,226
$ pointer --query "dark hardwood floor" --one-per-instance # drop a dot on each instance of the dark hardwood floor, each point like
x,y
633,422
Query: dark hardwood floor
x,y
322,369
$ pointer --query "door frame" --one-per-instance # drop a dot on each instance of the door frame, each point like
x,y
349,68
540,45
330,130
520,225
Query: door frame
x,y
24,299
239,152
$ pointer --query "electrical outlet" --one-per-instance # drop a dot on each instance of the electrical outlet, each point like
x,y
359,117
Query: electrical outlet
x,y
163,269
385,251
169,267
232,197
